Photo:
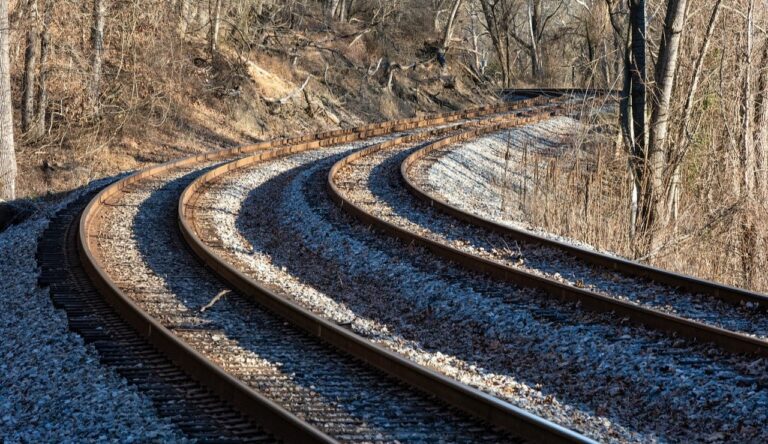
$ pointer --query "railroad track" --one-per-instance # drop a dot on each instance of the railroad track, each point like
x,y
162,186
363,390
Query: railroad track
x,y
479,244
202,240
730,317
132,251
364,196
199,414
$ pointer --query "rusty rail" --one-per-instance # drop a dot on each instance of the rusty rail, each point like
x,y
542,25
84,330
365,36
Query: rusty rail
x,y
732,295
251,403
728,340
468,399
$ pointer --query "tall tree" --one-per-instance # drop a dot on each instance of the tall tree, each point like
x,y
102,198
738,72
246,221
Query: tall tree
x,y
676,156
447,35
666,72
633,103
42,88
498,19
213,29
648,139
97,43
30,69
7,153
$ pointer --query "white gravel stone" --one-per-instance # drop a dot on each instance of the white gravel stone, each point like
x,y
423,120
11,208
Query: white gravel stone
x,y
52,386
550,358
470,175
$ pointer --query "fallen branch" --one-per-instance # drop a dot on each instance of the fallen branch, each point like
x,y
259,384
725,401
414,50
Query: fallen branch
x,y
285,99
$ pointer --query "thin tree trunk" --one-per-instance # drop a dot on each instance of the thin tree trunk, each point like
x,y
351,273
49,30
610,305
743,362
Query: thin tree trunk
x,y
638,75
30,68
332,6
42,87
534,13
213,29
97,41
493,31
7,153
676,158
343,11
182,9
761,116
666,69
746,156
633,109
449,26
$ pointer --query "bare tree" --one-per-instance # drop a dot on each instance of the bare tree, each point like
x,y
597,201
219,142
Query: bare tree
x,y
30,69
449,27
761,122
213,29
42,88
97,43
666,71
633,103
648,139
537,21
331,8
675,156
747,154
7,152
498,19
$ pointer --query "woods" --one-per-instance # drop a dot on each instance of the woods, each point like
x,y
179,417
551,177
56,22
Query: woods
x,y
81,79
7,152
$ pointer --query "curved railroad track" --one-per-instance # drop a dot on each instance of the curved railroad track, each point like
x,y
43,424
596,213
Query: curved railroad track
x,y
687,308
156,289
742,329
317,370
365,185
472,401
199,414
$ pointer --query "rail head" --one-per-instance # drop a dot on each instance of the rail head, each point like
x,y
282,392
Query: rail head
x,y
251,403
473,401
726,293
731,341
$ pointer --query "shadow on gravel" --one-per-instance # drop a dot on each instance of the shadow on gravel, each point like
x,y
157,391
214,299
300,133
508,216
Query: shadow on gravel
x,y
317,372
589,362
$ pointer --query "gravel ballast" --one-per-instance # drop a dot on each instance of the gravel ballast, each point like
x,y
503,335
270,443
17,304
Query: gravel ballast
x,y
141,249
612,381
52,386
385,197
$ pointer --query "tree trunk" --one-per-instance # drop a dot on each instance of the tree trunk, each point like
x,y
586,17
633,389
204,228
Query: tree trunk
x,y
42,87
213,29
97,41
332,6
449,26
746,156
633,108
676,158
182,9
30,68
7,153
666,69
493,32
761,117
343,11
534,19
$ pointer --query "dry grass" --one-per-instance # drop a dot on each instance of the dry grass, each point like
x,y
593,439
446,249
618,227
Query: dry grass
x,y
583,192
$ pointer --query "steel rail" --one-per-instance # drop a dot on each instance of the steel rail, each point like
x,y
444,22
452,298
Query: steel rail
x,y
248,401
719,291
728,340
468,399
